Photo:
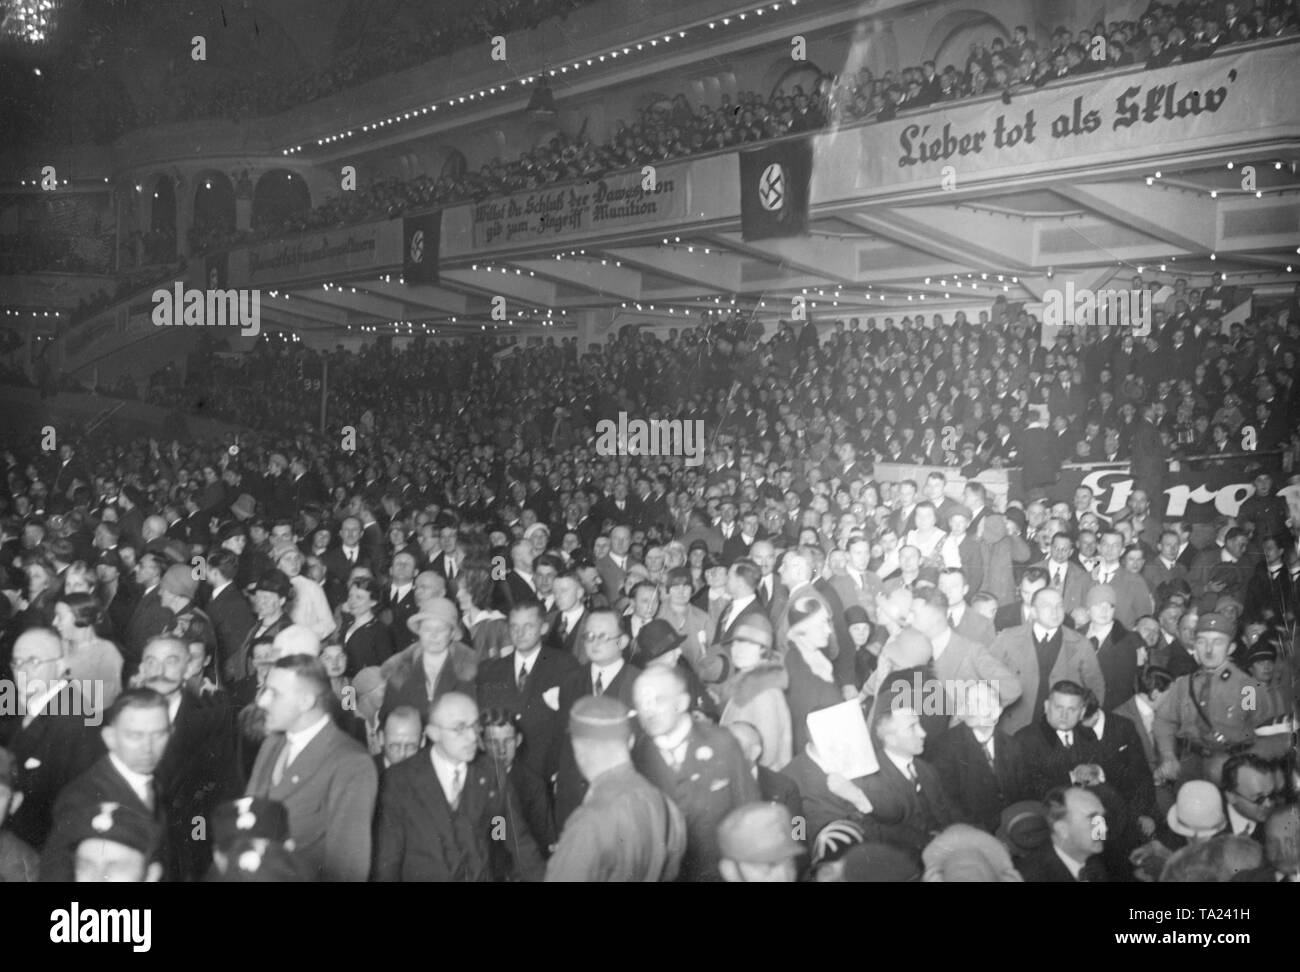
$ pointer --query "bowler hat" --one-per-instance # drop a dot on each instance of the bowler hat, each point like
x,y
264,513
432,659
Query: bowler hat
x,y
1197,810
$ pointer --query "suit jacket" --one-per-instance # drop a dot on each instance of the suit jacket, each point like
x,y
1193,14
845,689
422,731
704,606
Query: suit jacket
x,y
774,787
1132,597
965,660
1129,711
510,590
907,816
1124,759
820,805
612,576
79,802
370,644
439,566
198,770
1155,573
973,626
1076,585
1044,866
395,614
734,618
1048,760
329,792
148,620
1076,662
47,755
713,780
541,724
572,643
419,837
1117,656
570,786
979,791
337,569
232,619
1010,616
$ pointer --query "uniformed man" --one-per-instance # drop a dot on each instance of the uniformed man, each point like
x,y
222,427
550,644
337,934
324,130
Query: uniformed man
x,y
117,843
625,829
1212,712
189,624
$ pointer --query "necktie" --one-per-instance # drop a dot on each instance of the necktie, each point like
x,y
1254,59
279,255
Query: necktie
x,y
1096,645
457,783
564,627
1067,739
989,753
352,555
281,763
1058,579
148,797
911,775
723,620
598,685
523,676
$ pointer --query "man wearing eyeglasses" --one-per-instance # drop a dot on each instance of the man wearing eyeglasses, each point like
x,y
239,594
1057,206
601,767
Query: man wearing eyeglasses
x,y
446,816
49,736
1249,791
605,674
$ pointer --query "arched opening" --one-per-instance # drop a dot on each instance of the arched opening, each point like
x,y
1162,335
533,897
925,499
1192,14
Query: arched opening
x,y
951,38
801,74
158,243
280,194
214,209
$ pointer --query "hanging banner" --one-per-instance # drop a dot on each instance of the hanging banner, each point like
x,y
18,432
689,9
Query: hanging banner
x,y
1113,117
624,200
365,247
1197,496
420,238
774,190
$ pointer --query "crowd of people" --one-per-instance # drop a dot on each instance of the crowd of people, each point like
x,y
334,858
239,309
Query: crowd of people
x,y
455,609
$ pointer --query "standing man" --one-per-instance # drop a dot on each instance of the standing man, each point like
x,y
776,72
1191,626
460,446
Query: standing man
x,y
625,830
325,779
697,765
136,730
1041,654
51,743
1214,711
442,816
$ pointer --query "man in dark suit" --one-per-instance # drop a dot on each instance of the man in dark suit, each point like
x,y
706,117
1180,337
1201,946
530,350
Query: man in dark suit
x,y
696,764
605,673
566,622
773,787
1013,615
526,682
440,812
1132,596
198,769
450,558
613,566
51,742
1055,745
981,768
150,617
518,583
1077,821
742,581
398,604
136,730
1064,574
227,608
908,801
325,778
1116,646
339,561
1128,774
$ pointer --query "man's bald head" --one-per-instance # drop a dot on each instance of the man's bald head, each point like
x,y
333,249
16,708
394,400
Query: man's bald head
x,y
453,727
402,731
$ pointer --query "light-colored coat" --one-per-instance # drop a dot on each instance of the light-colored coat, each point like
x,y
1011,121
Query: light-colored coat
x,y
1077,662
